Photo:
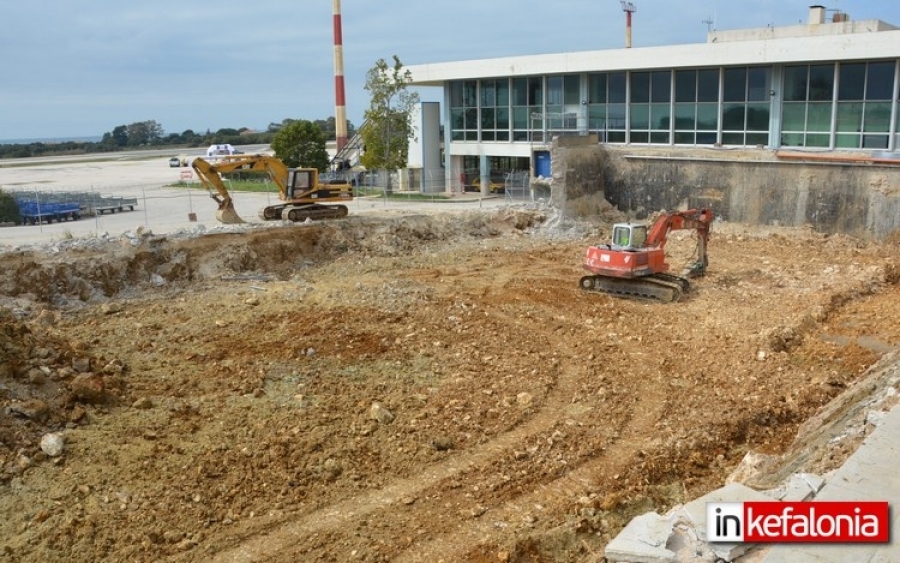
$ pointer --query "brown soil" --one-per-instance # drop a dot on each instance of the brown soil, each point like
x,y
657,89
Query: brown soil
x,y
418,388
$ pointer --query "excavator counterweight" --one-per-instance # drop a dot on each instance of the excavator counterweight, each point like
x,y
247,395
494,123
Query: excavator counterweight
x,y
634,263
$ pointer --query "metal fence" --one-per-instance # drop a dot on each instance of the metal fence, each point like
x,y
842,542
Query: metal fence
x,y
165,209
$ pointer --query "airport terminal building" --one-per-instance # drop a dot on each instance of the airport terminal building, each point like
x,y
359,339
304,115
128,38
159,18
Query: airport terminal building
x,y
830,87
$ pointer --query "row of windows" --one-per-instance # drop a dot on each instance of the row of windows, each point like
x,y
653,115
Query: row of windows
x,y
848,104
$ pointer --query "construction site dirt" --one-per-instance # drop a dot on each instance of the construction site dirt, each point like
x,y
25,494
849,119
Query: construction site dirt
x,y
408,387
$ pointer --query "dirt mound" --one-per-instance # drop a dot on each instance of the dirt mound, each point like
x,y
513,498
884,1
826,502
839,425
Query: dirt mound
x,y
47,384
421,387
99,269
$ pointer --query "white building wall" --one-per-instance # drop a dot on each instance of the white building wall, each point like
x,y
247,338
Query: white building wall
x,y
424,159
768,51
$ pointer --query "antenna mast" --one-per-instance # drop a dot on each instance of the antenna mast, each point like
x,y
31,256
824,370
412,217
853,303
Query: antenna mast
x,y
629,9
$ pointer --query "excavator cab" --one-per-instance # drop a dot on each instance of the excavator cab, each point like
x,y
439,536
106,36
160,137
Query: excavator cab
x,y
627,236
300,181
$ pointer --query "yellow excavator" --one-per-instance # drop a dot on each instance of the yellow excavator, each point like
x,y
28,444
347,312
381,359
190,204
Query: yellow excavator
x,y
301,193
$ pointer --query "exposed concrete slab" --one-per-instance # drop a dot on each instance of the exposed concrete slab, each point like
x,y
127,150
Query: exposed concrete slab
x,y
696,514
643,541
871,473
733,492
800,487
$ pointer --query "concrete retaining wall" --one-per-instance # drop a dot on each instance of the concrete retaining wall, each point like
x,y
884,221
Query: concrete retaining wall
x,y
747,186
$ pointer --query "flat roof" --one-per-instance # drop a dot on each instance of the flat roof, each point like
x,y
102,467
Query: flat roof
x,y
881,43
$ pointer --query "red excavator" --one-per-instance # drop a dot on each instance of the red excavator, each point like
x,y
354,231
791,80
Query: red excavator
x,y
634,263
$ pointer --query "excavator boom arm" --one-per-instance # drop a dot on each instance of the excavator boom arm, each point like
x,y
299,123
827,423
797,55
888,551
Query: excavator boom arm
x,y
210,174
697,219
210,177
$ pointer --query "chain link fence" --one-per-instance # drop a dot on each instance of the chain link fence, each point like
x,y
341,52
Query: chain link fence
x,y
164,209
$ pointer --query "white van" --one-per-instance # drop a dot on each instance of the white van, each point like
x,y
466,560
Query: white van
x,y
218,151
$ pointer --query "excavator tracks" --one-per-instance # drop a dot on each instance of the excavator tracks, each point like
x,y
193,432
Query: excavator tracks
x,y
300,213
665,288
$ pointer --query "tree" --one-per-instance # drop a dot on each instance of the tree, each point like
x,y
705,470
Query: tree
x,y
117,138
389,125
301,144
144,133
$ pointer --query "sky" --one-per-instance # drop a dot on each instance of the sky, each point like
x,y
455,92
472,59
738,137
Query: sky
x,y
79,69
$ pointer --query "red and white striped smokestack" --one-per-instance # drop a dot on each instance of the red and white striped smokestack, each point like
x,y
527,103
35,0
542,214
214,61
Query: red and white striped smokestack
x,y
340,104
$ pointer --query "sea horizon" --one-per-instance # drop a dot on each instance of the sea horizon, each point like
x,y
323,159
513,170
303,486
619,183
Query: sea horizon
x,y
53,140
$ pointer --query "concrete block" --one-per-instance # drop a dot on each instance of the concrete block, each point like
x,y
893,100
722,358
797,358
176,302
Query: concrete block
x,y
733,492
696,514
799,487
643,541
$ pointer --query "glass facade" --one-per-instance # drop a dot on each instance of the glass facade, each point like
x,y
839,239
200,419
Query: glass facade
x,y
495,110
745,106
650,112
851,105
808,102
696,107
864,95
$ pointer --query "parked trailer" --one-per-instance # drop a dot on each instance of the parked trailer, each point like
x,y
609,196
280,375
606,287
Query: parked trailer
x,y
93,204
44,207
34,212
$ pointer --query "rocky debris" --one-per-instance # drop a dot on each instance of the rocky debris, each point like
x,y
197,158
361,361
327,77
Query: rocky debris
x,y
89,388
142,403
111,308
529,421
442,443
45,383
680,534
32,409
378,412
53,444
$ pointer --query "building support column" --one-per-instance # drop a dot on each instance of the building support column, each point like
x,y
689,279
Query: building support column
x,y
775,96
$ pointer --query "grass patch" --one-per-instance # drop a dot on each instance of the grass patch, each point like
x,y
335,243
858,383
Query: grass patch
x,y
233,186
269,187
405,196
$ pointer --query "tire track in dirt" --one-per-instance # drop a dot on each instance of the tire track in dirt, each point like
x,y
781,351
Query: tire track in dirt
x,y
453,544
277,543
554,496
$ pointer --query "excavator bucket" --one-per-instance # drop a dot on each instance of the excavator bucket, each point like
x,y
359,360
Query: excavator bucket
x,y
226,214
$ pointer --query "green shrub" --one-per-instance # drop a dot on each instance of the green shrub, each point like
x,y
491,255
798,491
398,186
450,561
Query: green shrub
x,y
9,209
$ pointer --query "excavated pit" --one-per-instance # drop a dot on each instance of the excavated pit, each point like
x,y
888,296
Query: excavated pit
x,y
408,388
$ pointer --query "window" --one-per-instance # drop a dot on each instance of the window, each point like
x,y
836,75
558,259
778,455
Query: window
x,y
650,109
806,112
696,118
864,105
464,110
617,95
528,102
745,106
495,110
563,103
